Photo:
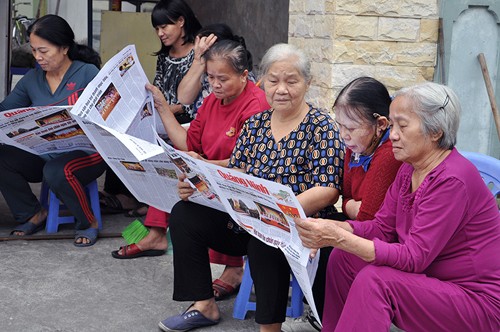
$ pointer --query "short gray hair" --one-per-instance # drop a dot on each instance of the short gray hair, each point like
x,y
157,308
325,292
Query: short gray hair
x,y
438,108
280,52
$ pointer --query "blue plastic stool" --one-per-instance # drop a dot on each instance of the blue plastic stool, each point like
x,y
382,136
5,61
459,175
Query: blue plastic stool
x,y
53,205
243,304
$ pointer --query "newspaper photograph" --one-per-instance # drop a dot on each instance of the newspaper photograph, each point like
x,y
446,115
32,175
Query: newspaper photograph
x,y
117,99
195,174
43,129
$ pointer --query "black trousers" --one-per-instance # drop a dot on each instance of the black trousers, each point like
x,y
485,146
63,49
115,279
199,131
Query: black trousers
x,y
194,229
318,287
113,185
66,175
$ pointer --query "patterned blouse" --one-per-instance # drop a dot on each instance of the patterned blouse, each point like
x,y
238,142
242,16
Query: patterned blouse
x,y
169,73
311,155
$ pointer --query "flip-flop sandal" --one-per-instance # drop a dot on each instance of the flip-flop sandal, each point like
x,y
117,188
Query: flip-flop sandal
x,y
110,204
224,289
89,234
136,213
132,251
28,228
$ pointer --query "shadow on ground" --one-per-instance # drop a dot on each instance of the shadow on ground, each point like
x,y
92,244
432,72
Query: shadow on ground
x,y
51,285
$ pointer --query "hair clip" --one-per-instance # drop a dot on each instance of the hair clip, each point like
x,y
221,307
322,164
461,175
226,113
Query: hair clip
x,y
376,115
446,101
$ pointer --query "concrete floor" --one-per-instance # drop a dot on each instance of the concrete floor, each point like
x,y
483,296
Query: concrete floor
x,y
51,285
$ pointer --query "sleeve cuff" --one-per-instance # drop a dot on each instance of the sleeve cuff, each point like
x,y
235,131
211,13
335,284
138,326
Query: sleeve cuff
x,y
381,252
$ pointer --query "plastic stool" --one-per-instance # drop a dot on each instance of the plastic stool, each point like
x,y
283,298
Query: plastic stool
x,y
53,205
242,304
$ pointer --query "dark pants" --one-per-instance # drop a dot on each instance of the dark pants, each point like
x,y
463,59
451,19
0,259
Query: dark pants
x,y
113,185
194,229
271,278
66,175
318,287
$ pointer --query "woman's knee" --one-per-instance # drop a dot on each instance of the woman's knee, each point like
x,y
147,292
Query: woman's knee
x,y
373,279
179,215
53,173
189,217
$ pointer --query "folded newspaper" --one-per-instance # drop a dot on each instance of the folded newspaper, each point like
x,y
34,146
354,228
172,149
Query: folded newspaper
x,y
43,129
115,115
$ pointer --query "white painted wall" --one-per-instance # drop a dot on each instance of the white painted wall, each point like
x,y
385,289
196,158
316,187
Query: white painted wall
x,y
475,31
75,12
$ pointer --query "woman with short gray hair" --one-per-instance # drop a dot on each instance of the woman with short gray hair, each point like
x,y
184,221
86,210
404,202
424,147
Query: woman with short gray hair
x,y
438,108
281,52
428,260
292,143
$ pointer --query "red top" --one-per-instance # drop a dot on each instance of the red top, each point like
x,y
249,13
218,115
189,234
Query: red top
x,y
369,187
214,131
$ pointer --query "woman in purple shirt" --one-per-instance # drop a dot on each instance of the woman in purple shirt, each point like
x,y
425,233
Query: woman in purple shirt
x,y
429,260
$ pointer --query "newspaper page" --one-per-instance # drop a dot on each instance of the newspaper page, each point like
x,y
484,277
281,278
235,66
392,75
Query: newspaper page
x,y
152,181
265,209
117,99
43,129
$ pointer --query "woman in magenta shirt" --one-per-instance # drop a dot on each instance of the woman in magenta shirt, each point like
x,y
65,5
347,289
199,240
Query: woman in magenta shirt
x,y
428,261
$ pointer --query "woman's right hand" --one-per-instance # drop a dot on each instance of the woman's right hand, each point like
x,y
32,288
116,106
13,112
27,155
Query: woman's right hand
x,y
184,188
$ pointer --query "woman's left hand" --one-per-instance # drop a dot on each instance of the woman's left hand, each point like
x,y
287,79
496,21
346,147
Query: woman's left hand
x,y
184,188
195,155
161,104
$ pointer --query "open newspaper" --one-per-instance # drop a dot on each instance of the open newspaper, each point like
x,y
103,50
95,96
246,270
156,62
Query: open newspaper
x,y
43,129
118,116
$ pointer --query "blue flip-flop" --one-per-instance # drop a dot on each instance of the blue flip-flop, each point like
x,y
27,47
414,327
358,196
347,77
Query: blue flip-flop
x,y
28,228
186,321
89,234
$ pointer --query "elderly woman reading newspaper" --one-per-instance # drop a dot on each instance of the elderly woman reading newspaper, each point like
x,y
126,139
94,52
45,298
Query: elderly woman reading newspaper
x,y
428,260
294,144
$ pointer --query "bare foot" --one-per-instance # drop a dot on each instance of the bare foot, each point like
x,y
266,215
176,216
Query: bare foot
x,y
232,275
208,308
156,239
84,240
139,211
38,218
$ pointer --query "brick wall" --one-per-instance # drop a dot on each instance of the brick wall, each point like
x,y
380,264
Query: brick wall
x,y
394,41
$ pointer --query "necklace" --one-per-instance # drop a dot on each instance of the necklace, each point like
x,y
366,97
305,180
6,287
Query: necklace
x,y
181,60
175,62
